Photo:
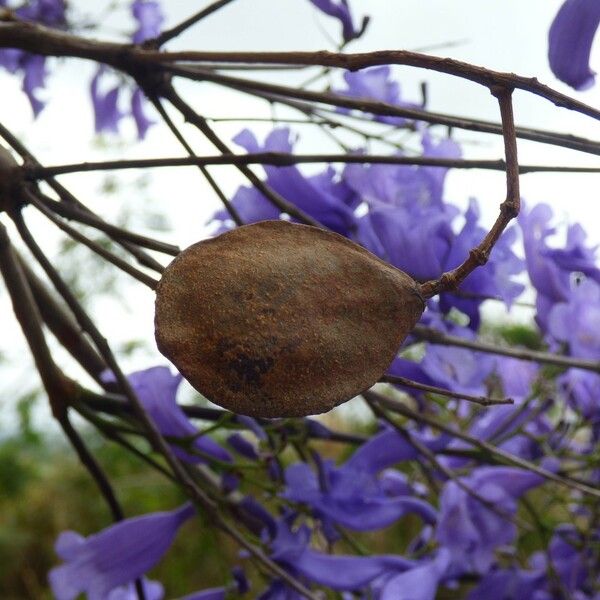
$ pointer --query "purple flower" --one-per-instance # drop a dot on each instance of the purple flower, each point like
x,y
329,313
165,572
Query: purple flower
x,y
353,495
156,389
105,100
291,549
341,11
457,369
318,196
149,17
48,12
152,591
551,270
409,224
570,42
577,321
106,110
581,389
142,122
116,556
374,84
33,66
419,583
495,280
508,584
468,528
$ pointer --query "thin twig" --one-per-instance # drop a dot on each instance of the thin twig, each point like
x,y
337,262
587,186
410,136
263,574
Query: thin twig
x,y
271,195
517,461
428,334
169,34
509,209
282,159
436,464
29,159
62,324
229,207
94,246
87,217
483,400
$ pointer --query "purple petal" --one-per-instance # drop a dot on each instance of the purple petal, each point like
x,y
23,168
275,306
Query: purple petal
x,y
117,555
35,76
106,111
142,122
346,572
149,17
153,590
570,41
341,11
420,583
218,593
157,388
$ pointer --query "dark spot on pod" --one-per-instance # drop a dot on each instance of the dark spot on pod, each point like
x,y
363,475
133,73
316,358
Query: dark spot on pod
x,y
276,319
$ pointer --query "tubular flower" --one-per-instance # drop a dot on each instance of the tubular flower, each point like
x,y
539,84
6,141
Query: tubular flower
x,y
115,556
570,42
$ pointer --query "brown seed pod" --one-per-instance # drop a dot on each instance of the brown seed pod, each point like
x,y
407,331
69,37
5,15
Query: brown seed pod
x,y
280,320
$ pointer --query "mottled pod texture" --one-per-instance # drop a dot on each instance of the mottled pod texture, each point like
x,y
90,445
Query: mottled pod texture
x,y
278,320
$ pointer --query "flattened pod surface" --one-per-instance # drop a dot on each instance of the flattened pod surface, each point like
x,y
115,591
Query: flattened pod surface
x,y
276,319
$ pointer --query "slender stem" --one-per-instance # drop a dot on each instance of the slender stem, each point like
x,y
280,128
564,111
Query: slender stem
x,y
356,61
87,217
93,246
169,34
483,400
517,461
200,123
58,387
229,207
29,159
436,464
509,209
281,159
62,324
281,93
434,336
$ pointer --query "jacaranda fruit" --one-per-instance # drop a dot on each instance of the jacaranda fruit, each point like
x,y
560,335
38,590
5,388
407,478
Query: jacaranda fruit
x,y
276,319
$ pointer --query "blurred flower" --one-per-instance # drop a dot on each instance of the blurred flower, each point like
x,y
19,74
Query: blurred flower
x,y
468,528
106,110
456,369
418,583
581,389
570,42
291,549
374,84
550,270
105,101
317,196
240,586
577,321
156,389
115,556
149,17
507,584
341,11
353,495
33,66
152,591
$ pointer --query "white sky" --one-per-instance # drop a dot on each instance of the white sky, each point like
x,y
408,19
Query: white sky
x,y
505,35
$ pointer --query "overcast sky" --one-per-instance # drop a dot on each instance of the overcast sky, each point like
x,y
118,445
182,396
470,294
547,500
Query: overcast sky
x,y
509,35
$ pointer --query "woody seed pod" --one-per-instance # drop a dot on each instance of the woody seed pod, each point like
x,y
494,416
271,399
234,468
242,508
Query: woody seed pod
x,y
278,320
